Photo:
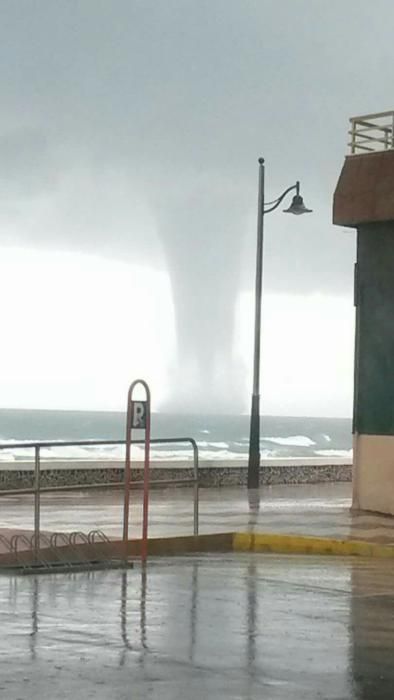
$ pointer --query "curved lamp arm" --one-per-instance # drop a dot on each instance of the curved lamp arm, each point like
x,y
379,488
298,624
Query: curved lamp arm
x,y
276,202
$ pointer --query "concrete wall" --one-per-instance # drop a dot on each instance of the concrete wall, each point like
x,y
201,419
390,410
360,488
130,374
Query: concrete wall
x,y
364,192
373,484
17,475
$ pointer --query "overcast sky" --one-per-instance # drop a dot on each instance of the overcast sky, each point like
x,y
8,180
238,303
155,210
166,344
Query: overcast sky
x,y
129,138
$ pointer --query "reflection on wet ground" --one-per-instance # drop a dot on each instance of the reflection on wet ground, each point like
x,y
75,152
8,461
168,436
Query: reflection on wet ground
x,y
214,626
320,510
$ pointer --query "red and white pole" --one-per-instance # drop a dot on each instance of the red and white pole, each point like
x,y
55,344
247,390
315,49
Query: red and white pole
x,y
138,418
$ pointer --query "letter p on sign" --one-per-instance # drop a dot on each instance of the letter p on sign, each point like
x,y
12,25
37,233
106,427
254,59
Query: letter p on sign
x,y
138,413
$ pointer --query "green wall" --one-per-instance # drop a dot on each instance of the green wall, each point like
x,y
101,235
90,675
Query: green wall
x,y
374,361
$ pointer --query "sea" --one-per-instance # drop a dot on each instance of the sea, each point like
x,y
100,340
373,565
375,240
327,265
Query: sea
x,y
219,437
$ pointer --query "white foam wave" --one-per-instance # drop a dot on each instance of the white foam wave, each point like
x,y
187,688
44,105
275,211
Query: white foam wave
x,y
347,454
112,453
222,455
219,445
219,450
292,441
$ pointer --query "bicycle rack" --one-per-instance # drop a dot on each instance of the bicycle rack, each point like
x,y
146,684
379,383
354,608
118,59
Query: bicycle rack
x,y
59,552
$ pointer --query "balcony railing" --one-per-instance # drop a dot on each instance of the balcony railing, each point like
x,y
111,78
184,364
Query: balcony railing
x,y
372,132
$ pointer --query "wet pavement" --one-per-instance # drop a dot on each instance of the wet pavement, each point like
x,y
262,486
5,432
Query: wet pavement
x,y
218,626
319,510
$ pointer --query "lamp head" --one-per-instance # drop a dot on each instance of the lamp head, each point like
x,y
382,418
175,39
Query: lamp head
x,y
297,206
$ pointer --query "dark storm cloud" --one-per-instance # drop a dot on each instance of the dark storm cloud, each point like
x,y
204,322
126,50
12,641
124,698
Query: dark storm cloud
x,y
130,127
153,93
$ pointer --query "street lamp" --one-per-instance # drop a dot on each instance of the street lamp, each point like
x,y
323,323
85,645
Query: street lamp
x,y
296,207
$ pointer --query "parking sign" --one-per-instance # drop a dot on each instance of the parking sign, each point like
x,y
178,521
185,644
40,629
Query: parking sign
x,y
138,415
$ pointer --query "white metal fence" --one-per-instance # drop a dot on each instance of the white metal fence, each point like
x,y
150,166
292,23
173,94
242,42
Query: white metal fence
x,y
372,132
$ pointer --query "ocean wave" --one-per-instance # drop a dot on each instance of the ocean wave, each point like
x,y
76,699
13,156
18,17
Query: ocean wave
x,y
347,454
273,447
114,453
291,441
219,445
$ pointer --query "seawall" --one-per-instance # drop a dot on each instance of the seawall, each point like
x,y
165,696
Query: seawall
x,y
20,474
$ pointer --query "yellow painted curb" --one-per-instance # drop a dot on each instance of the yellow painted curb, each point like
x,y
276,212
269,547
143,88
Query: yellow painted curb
x,y
302,544
211,543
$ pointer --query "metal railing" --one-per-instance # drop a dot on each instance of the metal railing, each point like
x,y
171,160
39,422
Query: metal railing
x,y
372,132
37,489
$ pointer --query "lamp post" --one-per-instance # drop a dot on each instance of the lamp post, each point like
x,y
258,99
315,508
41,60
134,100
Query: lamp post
x,y
297,207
